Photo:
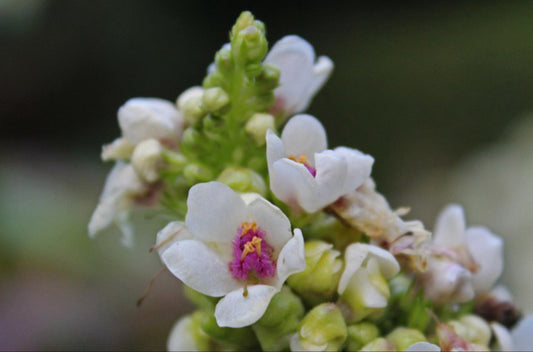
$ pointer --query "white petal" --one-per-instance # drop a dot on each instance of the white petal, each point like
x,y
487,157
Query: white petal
x,y
214,212
181,336
450,227
388,265
294,57
272,221
501,293
504,339
199,267
144,118
522,334
361,283
120,148
174,231
304,135
359,167
275,149
487,250
292,183
447,282
291,259
236,310
321,72
423,347
331,173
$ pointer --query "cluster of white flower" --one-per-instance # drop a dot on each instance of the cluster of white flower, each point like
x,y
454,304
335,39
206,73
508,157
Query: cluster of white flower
x,y
329,267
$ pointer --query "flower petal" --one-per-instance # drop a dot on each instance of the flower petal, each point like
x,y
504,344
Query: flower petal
x,y
321,72
199,267
423,347
275,149
522,334
504,339
144,118
292,183
214,212
388,265
181,336
236,310
304,135
487,250
331,173
354,257
291,259
359,167
450,227
174,231
272,221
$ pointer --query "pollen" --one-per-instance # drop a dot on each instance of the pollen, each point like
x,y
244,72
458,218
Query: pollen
x,y
252,246
302,159
248,227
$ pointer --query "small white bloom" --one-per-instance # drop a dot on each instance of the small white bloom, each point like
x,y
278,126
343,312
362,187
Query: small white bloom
x,y
363,281
240,251
304,174
141,119
474,243
300,76
121,189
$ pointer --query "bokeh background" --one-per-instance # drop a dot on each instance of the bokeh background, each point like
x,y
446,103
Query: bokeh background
x,y
438,92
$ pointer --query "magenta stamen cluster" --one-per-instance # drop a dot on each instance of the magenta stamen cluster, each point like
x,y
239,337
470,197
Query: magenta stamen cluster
x,y
259,266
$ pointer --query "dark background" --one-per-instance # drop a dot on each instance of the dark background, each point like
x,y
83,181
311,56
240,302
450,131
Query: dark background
x,y
417,85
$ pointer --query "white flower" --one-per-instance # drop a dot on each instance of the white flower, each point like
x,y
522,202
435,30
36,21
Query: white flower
x,y
484,247
519,339
363,282
300,76
240,251
141,119
304,174
121,191
446,281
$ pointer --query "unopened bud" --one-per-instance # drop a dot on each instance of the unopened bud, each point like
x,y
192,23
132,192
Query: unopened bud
x,y
190,137
360,334
249,46
190,103
187,335
318,282
280,321
380,344
197,173
147,160
323,328
258,125
214,99
402,338
120,148
268,79
243,180
473,329
230,338
245,19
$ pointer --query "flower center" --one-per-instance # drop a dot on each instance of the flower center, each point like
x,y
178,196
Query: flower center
x,y
302,159
252,255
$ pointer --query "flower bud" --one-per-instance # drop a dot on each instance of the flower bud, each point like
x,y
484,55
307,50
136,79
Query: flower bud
x,y
318,282
197,173
190,103
402,338
190,137
380,344
323,328
473,329
243,180
245,19
268,79
223,59
120,148
258,125
214,99
230,338
187,335
280,321
360,334
249,46
147,160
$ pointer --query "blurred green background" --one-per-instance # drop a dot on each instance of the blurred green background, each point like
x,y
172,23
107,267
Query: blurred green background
x,y
423,87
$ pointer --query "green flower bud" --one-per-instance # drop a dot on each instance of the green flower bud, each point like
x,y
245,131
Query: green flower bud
x,y
243,180
323,328
241,339
245,19
268,79
473,329
214,79
190,103
329,229
190,137
249,46
361,334
258,125
223,60
174,159
187,334
401,338
280,321
147,160
380,344
214,99
197,173
318,282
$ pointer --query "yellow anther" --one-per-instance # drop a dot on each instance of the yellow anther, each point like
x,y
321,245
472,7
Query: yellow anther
x,y
302,158
252,246
247,227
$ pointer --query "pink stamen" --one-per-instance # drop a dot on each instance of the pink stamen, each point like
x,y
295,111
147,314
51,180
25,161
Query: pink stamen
x,y
252,255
